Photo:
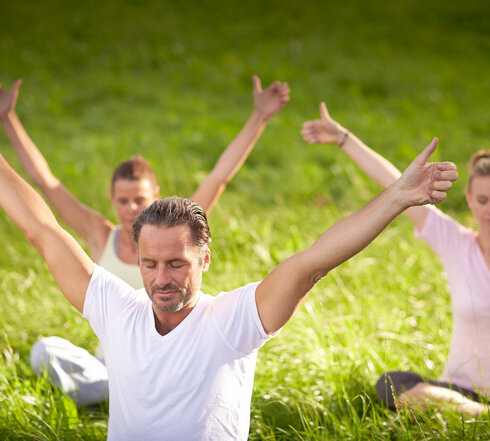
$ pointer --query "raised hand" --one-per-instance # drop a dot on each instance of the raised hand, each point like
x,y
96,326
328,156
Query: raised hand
x,y
427,182
269,101
8,99
324,130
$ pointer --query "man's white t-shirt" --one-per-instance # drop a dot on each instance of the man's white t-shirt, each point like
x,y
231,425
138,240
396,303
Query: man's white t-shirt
x,y
195,383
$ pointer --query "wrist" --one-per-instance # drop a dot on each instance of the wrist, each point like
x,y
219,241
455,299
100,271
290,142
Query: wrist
x,y
399,195
7,116
342,137
261,115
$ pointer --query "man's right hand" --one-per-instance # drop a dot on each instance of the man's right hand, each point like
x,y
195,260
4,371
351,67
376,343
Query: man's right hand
x,y
8,99
426,182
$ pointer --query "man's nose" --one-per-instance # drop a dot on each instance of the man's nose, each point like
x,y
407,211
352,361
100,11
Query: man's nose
x,y
163,276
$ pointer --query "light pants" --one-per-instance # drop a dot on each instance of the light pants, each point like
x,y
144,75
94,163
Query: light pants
x,y
72,369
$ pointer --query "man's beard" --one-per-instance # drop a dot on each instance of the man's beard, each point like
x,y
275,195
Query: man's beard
x,y
173,304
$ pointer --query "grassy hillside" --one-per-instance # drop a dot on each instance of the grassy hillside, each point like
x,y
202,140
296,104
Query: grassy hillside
x,y
172,81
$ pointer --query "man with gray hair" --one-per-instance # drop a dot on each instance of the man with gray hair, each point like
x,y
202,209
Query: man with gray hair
x,y
180,362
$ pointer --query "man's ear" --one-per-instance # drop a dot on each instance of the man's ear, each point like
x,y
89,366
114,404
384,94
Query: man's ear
x,y
207,261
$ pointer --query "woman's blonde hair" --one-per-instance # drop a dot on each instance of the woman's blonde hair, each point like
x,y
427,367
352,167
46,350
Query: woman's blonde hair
x,y
479,165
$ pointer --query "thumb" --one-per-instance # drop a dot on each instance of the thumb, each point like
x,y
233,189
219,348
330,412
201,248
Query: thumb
x,y
323,111
256,83
16,85
424,156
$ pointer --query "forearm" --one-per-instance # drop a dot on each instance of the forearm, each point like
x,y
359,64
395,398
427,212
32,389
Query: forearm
x,y
374,165
68,263
22,204
352,234
237,152
29,156
230,162
282,290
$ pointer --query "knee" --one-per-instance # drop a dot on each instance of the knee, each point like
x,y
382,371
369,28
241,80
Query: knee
x,y
41,352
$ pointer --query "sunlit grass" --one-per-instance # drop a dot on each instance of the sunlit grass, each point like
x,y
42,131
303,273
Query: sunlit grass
x,y
171,81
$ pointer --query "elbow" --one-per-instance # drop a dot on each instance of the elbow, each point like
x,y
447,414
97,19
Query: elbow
x,y
216,183
311,268
220,180
35,239
316,276
46,185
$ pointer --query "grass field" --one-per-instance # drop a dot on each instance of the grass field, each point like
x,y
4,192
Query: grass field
x,y
172,81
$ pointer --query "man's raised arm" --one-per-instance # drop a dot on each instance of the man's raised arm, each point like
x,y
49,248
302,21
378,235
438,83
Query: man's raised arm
x,y
68,263
282,290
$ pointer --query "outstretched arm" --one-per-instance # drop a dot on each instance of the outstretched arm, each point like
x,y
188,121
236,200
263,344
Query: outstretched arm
x,y
328,131
282,290
92,226
69,264
267,103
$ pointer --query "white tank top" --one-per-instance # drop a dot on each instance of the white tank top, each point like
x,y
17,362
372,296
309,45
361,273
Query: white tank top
x,y
111,262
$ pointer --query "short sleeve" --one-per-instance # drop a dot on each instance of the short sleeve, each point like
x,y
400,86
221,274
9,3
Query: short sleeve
x,y
237,318
443,234
106,294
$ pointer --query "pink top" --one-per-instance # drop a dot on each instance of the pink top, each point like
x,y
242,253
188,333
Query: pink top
x,y
468,363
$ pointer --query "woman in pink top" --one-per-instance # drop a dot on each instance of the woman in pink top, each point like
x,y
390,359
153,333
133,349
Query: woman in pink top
x,y
465,255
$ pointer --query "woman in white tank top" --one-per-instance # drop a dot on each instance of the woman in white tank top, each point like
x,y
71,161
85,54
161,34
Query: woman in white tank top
x,y
134,185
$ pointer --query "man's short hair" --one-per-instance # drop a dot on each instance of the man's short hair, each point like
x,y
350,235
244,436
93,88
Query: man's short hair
x,y
134,169
174,211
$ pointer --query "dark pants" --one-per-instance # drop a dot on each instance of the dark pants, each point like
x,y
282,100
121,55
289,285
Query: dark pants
x,y
391,384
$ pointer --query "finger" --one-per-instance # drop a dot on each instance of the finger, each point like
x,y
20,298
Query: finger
x,y
275,86
306,132
256,83
16,85
442,185
309,139
424,156
308,125
446,166
437,196
448,175
308,136
323,111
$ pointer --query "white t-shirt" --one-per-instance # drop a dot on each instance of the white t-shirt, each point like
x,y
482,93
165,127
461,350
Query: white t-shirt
x,y
195,383
468,363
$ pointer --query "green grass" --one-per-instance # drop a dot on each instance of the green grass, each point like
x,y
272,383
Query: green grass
x,y
171,80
